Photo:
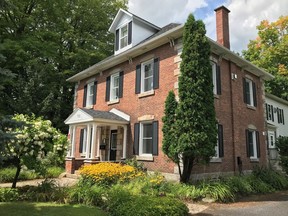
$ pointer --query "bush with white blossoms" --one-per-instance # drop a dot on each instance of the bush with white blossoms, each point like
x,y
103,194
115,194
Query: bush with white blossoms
x,y
37,144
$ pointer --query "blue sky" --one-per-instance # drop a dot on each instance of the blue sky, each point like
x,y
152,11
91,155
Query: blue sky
x,y
245,15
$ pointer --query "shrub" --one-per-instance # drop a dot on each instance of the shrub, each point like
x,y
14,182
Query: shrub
x,y
87,194
8,174
121,202
239,185
258,185
220,191
273,178
135,163
186,192
54,172
108,173
282,146
8,195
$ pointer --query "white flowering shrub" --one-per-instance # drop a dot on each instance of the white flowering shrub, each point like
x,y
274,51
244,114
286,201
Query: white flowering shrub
x,y
36,145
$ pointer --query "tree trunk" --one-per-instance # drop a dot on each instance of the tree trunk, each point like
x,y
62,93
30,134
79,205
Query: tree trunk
x,y
188,163
16,176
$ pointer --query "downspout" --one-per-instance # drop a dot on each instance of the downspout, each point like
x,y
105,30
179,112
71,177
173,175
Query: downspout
x,y
232,119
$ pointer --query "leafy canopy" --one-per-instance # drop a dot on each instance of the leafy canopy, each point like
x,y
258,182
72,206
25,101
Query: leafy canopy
x,y
46,41
270,51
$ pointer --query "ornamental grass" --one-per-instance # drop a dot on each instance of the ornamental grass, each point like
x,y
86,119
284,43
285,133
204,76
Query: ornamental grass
x,y
109,173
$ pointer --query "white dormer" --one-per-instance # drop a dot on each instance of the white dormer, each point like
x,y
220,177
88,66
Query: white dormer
x,y
130,30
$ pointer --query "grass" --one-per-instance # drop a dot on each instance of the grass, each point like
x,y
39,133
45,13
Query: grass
x,y
47,209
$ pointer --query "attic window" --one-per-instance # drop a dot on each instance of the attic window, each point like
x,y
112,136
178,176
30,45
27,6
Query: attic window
x,y
123,36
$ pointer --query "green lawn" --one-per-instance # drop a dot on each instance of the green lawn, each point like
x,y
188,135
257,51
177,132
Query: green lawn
x,y
47,209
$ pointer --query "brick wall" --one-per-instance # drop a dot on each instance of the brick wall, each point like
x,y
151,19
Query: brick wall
x,y
231,111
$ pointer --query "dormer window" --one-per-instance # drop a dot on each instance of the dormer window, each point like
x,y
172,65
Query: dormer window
x,y
123,36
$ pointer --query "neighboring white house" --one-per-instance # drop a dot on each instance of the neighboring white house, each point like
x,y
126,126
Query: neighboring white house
x,y
277,123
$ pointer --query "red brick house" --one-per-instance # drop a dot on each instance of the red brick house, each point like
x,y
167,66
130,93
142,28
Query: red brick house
x,y
119,102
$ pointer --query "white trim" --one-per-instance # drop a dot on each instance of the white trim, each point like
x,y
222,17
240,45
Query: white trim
x,y
143,78
113,97
124,141
141,138
121,114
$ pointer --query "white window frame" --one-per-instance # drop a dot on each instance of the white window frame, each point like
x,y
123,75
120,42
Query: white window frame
x,y
90,94
251,95
143,78
255,156
121,46
142,138
271,139
113,96
214,78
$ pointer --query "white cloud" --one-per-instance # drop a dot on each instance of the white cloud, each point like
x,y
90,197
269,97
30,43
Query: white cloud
x,y
245,15
163,12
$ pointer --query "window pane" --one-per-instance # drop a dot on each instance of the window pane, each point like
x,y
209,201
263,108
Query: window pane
x,y
116,81
147,146
251,143
148,70
147,130
124,31
114,141
148,84
248,90
123,42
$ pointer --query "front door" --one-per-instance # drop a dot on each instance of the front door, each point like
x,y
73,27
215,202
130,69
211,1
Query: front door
x,y
271,139
113,145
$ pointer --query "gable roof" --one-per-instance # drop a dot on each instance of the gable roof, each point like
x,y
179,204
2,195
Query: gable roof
x,y
121,12
171,31
82,115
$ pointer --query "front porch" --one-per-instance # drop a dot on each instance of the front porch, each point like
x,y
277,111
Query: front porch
x,y
96,136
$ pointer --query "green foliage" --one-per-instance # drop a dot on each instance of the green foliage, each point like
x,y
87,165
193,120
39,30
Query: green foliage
x,y
282,146
54,172
219,191
195,115
169,143
271,177
87,194
258,185
33,142
45,42
48,209
269,51
239,185
136,164
121,202
8,174
8,195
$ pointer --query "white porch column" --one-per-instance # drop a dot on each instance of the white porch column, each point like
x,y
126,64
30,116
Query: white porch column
x,y
124,142
94,133
88,141
69,140
73,141
98,142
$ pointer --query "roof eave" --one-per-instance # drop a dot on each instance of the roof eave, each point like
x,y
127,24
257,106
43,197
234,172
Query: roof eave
x,y
241,62
274,97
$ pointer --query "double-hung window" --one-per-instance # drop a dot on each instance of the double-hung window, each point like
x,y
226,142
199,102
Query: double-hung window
x,y
147,76
114,88
216,78
90,94
146,138
219,148
252,144
249,90
124,36
269,112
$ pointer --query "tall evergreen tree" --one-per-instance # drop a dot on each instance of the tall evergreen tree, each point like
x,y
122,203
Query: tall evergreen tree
x,y
195,116
169,143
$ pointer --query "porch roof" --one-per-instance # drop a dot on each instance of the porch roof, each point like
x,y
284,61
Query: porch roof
x,y
81,115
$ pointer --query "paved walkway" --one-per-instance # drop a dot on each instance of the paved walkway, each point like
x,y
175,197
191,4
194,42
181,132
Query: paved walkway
x,y
59,181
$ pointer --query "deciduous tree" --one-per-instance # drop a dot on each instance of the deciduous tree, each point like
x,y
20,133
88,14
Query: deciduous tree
x,y
270,51
47,41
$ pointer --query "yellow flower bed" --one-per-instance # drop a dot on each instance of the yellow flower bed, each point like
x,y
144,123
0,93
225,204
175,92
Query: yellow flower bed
x,y
109,173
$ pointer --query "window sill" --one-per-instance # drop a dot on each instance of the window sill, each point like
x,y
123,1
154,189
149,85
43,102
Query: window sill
x,y
251,107
216,160
89,107
144,158
146,94
113,102
254,160
216,96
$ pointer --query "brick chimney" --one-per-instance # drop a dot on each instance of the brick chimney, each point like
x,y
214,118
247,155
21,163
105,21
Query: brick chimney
x,y
222,26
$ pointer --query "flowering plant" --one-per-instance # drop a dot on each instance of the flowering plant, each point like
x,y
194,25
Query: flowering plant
x,y
109,173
